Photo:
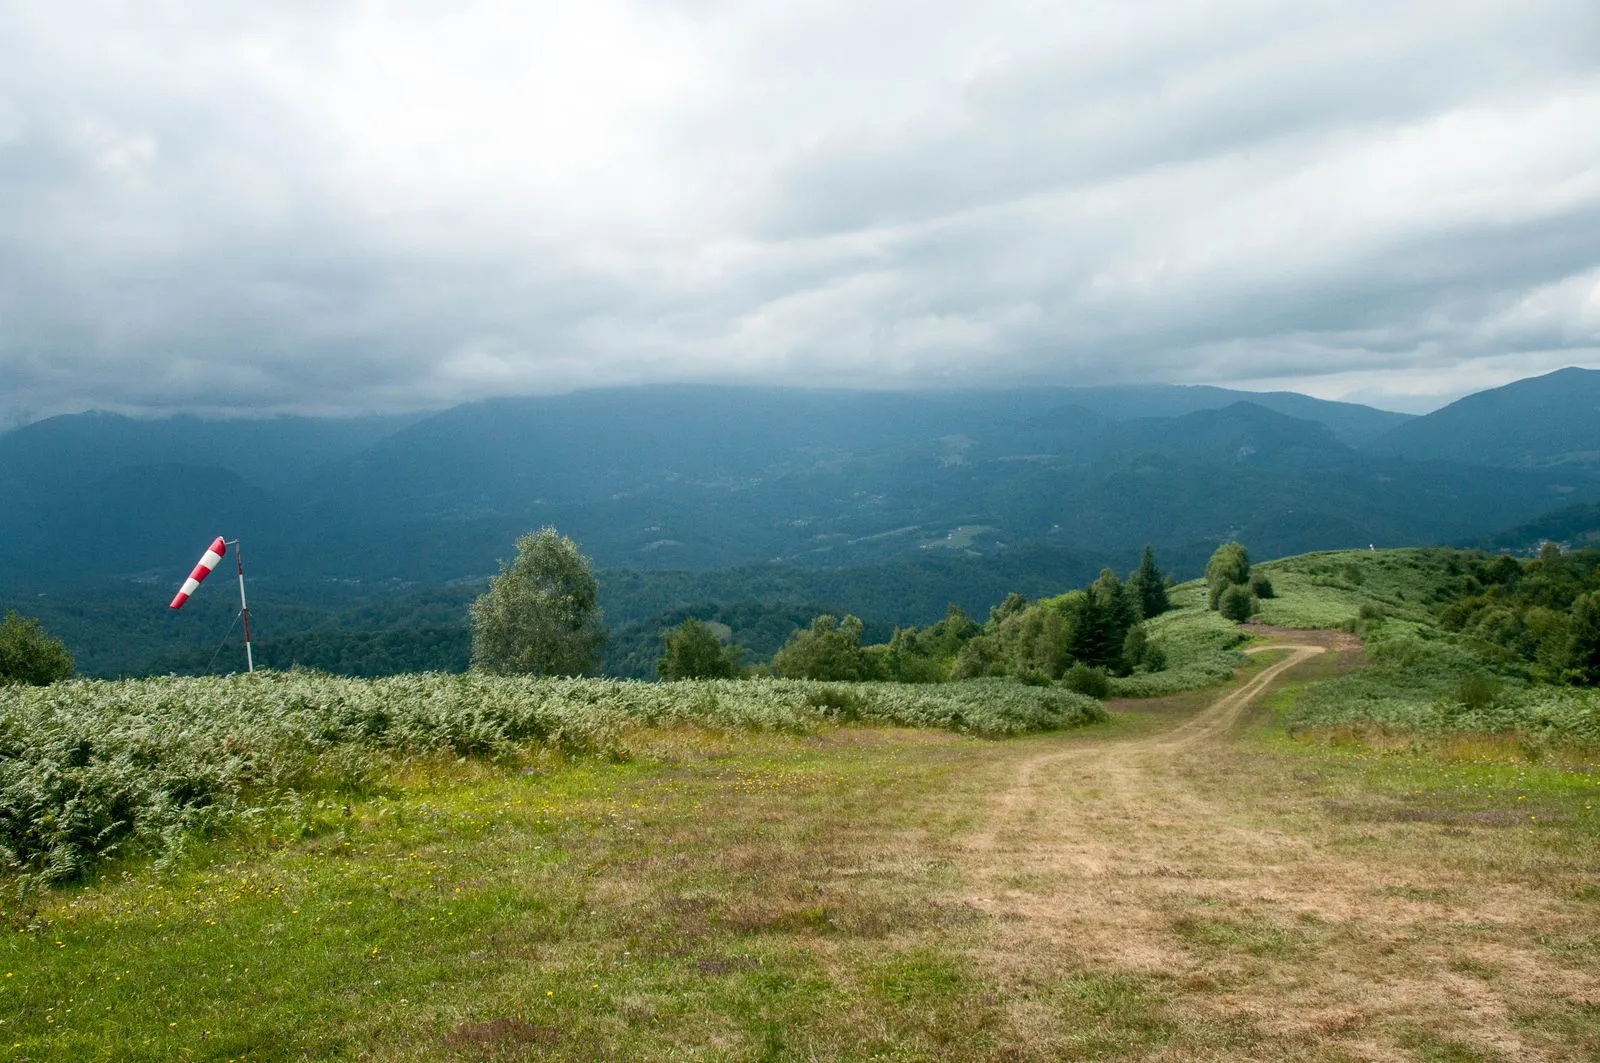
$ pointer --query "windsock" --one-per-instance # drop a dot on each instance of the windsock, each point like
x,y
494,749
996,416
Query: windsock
x,y
201,571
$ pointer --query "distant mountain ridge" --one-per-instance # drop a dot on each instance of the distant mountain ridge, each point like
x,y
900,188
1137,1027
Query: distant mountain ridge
x,y
699,477
1549,420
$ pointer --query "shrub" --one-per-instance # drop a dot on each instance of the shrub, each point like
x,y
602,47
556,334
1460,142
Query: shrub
x,y
88,769
1192,647
983,656
1583,653
1261,586
1140,654
829,650
1092,682
1229,566
1237,603
1476,692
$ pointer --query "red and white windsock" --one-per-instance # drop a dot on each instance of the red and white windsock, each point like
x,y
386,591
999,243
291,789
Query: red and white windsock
x,y
201,571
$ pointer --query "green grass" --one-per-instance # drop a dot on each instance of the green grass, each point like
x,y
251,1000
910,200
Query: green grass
x,y
593,909
1327,590
685,907
1201,648
747,894
1469,779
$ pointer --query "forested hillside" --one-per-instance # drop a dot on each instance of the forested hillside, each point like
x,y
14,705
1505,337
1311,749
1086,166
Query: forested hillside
x,y
1551,420
890,506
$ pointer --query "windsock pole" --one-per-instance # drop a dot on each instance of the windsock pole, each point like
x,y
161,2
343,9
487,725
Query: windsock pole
x,y
208,561
244,609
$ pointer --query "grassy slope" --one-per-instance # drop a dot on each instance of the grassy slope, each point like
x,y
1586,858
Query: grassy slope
x,y
1415,673
1200,646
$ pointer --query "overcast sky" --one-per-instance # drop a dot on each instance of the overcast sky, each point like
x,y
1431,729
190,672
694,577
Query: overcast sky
x,y
340,207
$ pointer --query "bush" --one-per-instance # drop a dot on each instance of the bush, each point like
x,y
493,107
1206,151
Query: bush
x,y
1476,692
983,656
1237,603
30,656
1261,586
1194,648
1140,654
828,650
1092,682
1583,650
1229,567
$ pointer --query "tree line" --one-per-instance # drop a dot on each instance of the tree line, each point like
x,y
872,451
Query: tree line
x,y
1080,637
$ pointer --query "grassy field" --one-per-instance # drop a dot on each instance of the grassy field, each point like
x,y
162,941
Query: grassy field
x,y
1162,887
1420,681
1327,590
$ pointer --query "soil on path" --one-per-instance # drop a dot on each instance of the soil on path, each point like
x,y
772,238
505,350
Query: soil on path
x,y
1185,858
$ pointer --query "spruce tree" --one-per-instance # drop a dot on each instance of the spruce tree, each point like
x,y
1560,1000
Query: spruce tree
x,y
1148,586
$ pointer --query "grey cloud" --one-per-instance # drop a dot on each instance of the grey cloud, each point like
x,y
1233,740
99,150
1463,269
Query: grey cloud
x,y
212,216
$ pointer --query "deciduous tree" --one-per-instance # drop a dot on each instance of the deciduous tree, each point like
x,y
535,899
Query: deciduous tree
x,y
30,656
692,651
1228,567
828,649
541,614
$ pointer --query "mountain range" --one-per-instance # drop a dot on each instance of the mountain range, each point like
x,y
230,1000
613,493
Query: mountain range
x,y
686,477
689,479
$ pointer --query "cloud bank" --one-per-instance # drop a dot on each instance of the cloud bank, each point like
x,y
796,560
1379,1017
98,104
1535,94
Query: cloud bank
x,y
362,206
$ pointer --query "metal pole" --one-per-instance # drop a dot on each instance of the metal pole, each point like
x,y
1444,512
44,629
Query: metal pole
x,y
244,609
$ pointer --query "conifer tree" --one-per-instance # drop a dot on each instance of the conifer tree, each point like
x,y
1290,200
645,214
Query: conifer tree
x,y
1148,586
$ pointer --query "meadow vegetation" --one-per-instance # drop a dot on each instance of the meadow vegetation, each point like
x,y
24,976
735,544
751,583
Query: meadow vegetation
x,y
91,768
1421,677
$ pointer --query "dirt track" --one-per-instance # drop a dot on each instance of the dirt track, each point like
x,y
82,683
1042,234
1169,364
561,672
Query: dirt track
x,y
1181,854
